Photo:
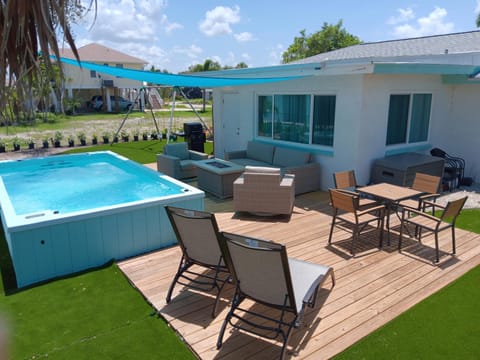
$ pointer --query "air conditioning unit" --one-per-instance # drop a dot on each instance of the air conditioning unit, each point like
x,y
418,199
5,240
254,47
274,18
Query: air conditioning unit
x,y
107,83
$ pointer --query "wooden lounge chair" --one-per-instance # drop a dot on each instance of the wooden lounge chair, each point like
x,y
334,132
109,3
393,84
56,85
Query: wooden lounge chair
x,y
426,221
197,233
346,210
263,273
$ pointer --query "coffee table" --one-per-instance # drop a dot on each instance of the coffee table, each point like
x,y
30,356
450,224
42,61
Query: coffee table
x,y
216,176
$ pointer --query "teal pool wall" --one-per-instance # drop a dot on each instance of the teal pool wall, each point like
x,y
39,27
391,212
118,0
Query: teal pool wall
x,y
49,245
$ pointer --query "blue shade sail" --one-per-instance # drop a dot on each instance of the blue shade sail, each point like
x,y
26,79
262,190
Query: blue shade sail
x,y
173,79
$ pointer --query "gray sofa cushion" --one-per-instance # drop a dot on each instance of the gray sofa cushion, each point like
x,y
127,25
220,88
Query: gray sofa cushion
x,y
251,162
260,151
179,150
289,157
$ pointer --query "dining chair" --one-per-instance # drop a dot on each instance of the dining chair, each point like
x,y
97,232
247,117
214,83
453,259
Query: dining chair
x,y
347,182
346,210
428,185
197,233
426,221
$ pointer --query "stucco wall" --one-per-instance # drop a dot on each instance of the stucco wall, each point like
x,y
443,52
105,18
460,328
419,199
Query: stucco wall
x,y
361,119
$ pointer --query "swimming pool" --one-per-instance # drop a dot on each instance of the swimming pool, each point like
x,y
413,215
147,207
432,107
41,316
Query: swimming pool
x,y
68,213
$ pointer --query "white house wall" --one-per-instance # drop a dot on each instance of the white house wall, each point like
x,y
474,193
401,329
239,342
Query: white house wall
x,y
362,103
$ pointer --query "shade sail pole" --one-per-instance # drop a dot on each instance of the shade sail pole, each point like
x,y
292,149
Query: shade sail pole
x,y
172,112
194,110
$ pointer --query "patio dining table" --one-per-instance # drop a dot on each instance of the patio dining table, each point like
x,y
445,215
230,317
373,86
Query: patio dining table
x,y
390,195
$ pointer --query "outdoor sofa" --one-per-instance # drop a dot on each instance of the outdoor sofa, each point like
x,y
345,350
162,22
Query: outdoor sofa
x,y
290,161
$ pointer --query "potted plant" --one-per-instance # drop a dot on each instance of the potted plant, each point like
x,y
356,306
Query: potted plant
x,y
94,139
124,135
45,143
16,143
136,133
57,138
115,138
145,135
82,138
31,144
2,146
154,135
106,137
71,141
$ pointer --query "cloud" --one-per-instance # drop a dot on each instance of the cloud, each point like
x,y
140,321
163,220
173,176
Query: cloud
x,y
218,20
130,21
403,15
193,51
434,23
243,37
477,7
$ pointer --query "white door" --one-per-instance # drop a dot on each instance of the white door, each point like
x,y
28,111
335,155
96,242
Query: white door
x,y
232,129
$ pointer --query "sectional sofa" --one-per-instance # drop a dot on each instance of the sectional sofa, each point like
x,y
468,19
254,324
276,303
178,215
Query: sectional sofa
x,y
290,161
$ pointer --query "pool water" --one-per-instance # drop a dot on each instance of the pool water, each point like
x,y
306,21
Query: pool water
x,y
65,184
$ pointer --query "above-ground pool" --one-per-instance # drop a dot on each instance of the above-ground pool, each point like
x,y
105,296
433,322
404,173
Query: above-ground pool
x,y
64,214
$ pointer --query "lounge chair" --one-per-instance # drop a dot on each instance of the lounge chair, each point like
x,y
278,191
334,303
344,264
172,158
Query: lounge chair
x,y
197,233
426,221
263,273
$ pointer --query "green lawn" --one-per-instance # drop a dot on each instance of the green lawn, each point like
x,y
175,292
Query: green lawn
x,y
444,326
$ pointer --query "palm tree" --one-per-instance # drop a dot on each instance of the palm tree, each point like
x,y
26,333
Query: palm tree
x,y
27,30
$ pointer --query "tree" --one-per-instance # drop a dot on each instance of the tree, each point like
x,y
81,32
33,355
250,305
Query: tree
x,y
477,21
28,29
331,37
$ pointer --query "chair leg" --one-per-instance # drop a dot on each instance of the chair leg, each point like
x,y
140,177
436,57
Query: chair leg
x,y
331,228
181,268
354,235
235,303
381,231
453,240
217,298
436,247
287,337
400,237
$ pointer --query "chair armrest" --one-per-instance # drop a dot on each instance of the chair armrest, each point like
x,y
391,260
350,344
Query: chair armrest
x,y
239,154
372,209
419,213
428,196
350,192
197,155
431,203
169,165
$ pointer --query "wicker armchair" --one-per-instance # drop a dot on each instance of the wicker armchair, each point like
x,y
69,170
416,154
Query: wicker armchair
x,y
263,190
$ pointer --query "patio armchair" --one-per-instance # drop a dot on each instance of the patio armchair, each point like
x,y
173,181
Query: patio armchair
x,y
346,182
197,234
178,161
428,185
426,221
264,274
263,190
347,211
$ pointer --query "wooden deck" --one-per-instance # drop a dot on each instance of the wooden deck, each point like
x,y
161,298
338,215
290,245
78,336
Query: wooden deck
x,y
372,288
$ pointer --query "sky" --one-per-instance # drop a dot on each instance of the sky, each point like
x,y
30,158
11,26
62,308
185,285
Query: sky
x,y
173,35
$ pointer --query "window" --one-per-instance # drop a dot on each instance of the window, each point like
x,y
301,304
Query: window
x,y
408,118
292,118
93,74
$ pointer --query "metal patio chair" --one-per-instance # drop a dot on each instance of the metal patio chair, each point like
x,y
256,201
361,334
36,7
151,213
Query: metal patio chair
x,y
197,233
347,182
426,221
263,273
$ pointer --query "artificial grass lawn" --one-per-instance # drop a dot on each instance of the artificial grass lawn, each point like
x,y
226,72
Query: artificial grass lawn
x,y
143,152
95,315
446,325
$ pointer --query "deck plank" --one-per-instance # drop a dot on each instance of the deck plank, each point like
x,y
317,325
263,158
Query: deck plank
x,y
371,289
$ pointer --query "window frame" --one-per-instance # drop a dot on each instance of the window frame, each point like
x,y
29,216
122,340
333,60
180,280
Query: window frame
x,y
309,122
407,141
